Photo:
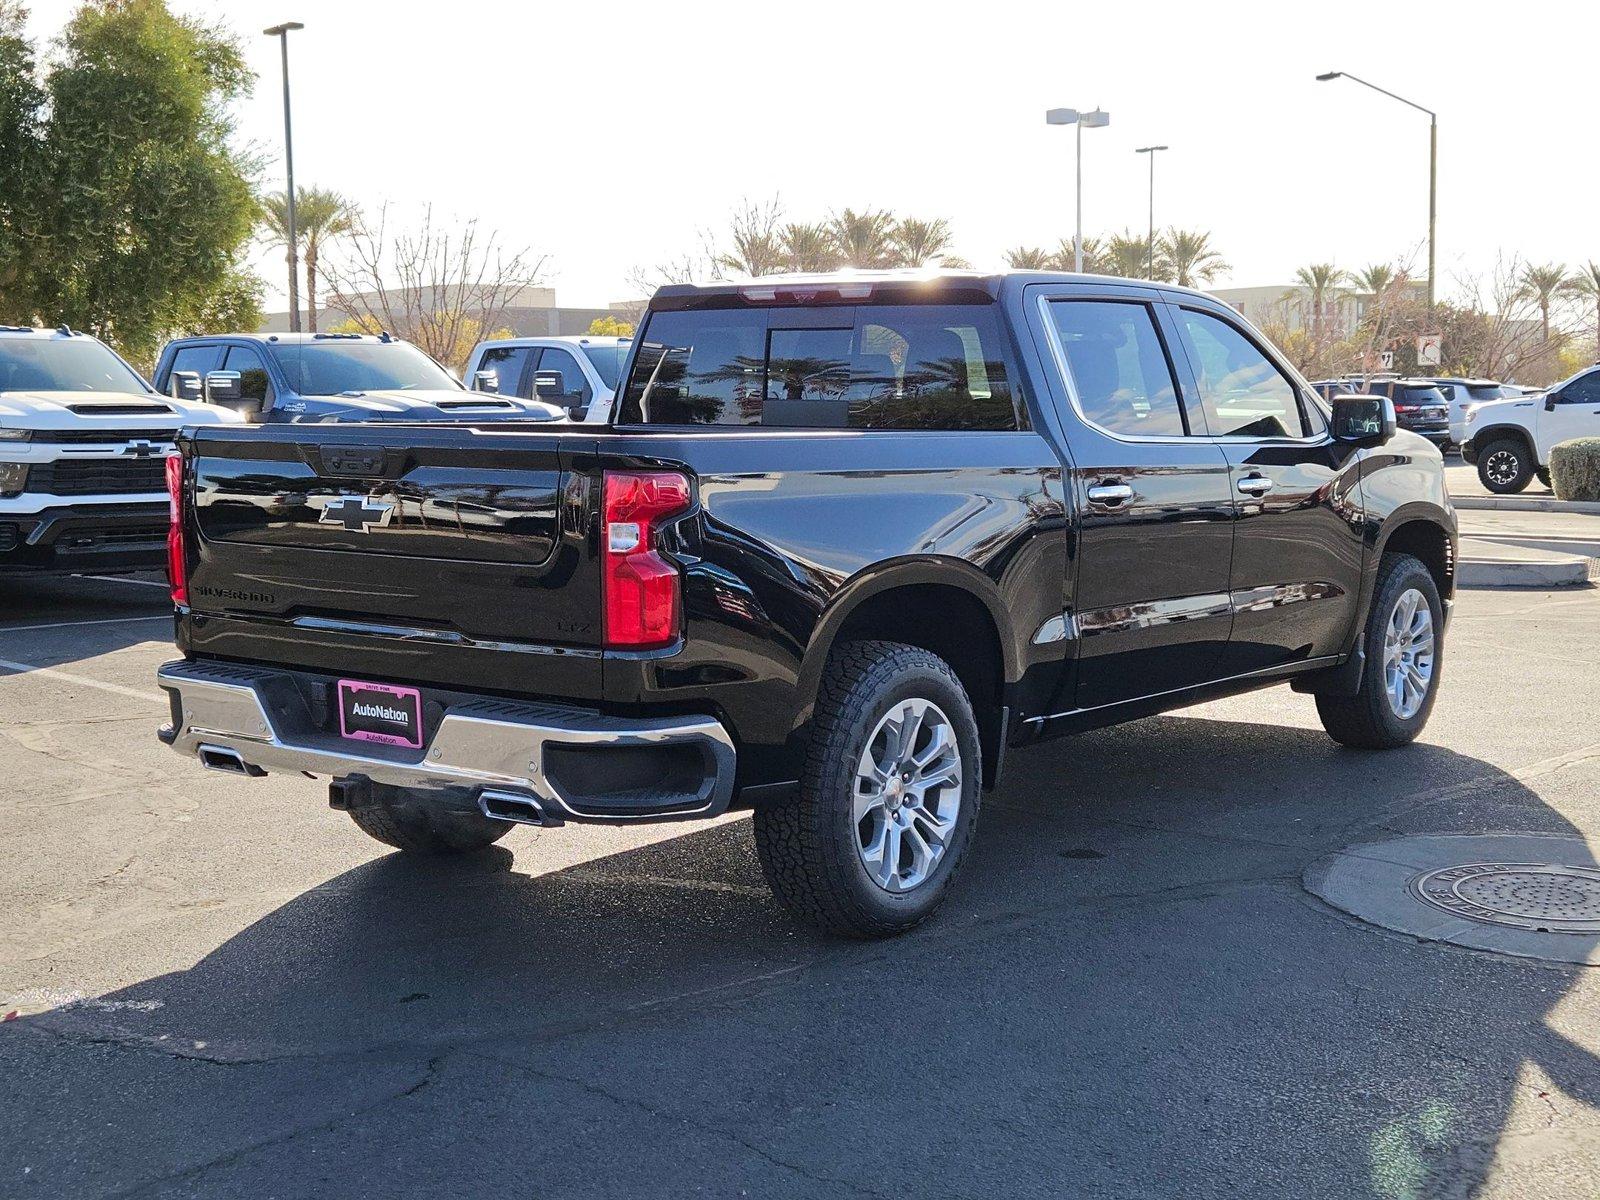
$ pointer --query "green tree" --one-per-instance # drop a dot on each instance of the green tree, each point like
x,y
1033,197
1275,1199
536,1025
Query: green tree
x,y
1031,258
863,239
1127,254
1540,284
138,208
754,242
320,215
21,104
921,243
1321,280
1584,285
1376,279
1187,257
807,248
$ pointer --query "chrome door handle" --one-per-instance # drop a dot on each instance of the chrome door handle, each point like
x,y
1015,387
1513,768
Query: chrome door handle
x,y
1110,495
1255,485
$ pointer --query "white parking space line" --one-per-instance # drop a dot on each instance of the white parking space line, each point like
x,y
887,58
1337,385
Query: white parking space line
x,y
119,579
22,668
86,621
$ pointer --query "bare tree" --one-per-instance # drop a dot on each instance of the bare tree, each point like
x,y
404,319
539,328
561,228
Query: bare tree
x,y
441,287
755,244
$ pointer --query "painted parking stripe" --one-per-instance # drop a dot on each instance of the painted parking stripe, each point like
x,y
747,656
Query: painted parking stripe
x,y
87,621
22,668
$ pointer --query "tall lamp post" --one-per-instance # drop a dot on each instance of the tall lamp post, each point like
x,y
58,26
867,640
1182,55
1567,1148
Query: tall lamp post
x,y
281,32
1094,120
1433,165
1150,266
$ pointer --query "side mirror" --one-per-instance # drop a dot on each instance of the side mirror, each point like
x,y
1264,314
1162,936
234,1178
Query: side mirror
x,y
1551,400
222,387
547,383
1363,420
184,385
486,381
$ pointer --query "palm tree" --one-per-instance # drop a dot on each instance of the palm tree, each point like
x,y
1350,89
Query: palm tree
x,y
1540,285
1126,254
1585,284
320,215
864,239
1320,279
921,243
1376,279
1188,257
1030,258
752,254
1094,256
807,248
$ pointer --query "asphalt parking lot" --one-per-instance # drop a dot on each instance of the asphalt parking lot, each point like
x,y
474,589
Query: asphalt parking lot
x,y
221,988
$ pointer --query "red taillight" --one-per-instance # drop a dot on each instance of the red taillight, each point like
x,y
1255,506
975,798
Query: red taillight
x,y
640,586
177,574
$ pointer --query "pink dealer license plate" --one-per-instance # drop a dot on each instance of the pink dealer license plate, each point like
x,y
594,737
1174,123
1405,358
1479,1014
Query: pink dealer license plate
x,y
376,712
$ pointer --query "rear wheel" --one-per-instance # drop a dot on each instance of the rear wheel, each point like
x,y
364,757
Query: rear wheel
x,y
1543,474
1401,678
1505,466
408,821
889,798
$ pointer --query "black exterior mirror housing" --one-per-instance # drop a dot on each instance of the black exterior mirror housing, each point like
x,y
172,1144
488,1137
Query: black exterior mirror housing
x,y
185,385
1551,400
547,383
1363,420
222,387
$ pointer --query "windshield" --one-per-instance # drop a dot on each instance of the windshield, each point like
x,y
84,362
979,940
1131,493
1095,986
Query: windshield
x,y
608,362
76,364
329,368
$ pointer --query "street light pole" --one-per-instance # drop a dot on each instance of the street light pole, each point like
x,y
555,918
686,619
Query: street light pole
x,y
281,32
1150,266
1433,168
1097,119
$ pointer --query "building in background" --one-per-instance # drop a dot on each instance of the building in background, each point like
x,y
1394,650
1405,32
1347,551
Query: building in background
x,y
1289,306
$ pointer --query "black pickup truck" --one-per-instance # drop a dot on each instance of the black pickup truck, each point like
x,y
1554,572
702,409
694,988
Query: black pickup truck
x,y
847,542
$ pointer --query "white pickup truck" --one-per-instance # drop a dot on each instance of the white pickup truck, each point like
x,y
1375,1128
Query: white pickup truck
x,y
578,374
1510,439
83,447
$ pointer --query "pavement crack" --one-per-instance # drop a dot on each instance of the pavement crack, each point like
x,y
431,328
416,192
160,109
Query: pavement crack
x,y
664,1114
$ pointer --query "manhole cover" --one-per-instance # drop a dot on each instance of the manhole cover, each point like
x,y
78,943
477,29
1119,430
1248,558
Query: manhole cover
x,y
1542,897
1529,894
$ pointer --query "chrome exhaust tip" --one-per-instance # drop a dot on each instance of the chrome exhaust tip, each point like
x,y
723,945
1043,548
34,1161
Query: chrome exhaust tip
x,y
516,807
222,758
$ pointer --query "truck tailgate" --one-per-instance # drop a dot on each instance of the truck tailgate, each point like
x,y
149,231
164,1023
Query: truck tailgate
x,y
409,551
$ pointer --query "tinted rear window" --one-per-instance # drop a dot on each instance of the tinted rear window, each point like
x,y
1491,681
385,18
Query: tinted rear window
x,y
1419,395
873,367
1492,391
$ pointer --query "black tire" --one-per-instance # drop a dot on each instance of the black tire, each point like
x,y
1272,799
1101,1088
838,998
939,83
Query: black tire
x,y
1367,720
1505,466
409,822
809,847
1543,475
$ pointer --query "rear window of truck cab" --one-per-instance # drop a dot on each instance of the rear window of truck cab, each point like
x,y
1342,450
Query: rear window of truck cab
x,y
876,366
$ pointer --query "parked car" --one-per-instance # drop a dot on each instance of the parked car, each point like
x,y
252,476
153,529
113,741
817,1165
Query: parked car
x,y
1419,406
846,542
320,377
578,374
1509,440
1462,394
83,443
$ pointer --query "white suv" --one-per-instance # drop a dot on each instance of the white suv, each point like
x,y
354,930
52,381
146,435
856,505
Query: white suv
x,y
1510,439
578,374
83,447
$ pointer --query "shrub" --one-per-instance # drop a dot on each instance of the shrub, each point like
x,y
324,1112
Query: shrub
x,y
1575,469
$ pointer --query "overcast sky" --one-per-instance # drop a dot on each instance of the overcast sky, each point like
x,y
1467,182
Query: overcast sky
x,y
608,135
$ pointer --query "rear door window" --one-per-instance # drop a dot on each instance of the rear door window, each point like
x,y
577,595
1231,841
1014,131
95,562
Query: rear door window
x,y
1120,373
930,367
200,359
572,386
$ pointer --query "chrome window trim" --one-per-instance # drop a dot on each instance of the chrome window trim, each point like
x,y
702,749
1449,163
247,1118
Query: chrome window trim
x,y
1059,353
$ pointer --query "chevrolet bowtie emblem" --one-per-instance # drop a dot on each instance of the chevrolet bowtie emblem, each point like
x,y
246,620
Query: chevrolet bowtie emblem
x,y
358,516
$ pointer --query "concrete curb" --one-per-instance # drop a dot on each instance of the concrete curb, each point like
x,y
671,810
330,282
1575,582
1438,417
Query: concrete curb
x,y
1524,504
1552,571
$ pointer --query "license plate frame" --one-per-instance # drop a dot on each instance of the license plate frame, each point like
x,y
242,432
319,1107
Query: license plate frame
x,y
392,716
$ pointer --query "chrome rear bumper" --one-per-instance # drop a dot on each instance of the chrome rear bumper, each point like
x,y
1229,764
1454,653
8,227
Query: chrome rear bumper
x,y
253,721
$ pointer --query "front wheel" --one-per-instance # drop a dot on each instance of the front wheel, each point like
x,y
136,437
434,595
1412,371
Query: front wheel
x,y
889,798
1403,640
1505,466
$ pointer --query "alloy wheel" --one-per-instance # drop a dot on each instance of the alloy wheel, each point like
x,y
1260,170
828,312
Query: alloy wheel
x,y
1502,467
907,795
1408,654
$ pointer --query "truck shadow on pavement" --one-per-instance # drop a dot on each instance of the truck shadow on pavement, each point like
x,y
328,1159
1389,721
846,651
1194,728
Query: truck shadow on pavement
x,y
1129,995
